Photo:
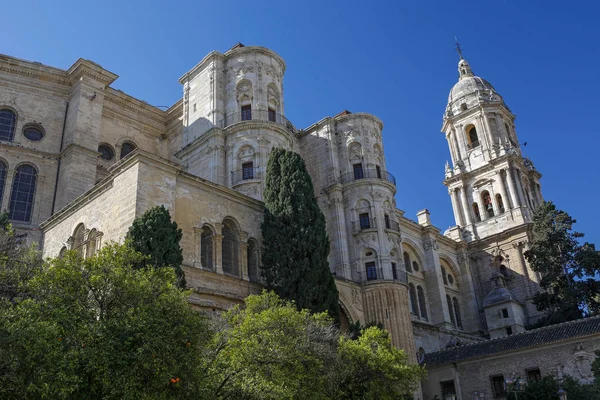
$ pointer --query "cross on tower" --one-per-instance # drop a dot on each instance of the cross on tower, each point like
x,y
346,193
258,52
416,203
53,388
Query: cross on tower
x,y
458,49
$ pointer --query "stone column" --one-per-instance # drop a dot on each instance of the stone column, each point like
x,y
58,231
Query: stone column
x,y
465,201
454,142
457,216
387,302
502,189
244,255
512,188
8,183
218,249
197,247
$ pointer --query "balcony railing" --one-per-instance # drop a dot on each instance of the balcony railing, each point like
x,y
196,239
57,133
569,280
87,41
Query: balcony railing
x,y
357,226
257,115
368,173
245,174
401,276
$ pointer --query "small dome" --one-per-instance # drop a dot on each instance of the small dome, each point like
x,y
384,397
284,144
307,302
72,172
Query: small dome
x,y
499,295
468,85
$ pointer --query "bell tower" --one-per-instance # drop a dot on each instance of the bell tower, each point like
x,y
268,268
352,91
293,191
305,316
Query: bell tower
x,y
491,185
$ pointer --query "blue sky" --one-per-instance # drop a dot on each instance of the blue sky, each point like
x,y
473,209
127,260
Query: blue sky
x,y
394,59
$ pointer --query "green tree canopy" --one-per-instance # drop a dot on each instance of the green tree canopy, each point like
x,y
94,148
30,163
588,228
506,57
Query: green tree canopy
x,y
295,242
100,329
568,268
155,235
270,350
375,369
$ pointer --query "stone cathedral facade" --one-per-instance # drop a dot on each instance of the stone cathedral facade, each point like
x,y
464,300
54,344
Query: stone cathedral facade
x,y
80,160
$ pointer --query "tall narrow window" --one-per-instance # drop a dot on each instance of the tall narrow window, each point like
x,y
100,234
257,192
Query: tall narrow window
x,y
457,312
476,212
407,264
252,258
444,275
365,222
422,304
473,139
378,171
386,219
358,171
2,180
414,307
23,192
498,386
394,271
371,271
8,121
248,170
246,113
487,203
127,148
450,311
500,203
206,248
272,115
78,236
230,249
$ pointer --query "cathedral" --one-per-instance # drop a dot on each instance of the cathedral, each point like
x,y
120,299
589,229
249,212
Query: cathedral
x,y
80,160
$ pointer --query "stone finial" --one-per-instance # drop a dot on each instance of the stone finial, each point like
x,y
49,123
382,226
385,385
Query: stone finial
x,y
424,217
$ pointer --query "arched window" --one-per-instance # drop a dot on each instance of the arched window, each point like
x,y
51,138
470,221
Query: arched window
x,y
450,311
457,312
3,169
92,243
23,192
422,304
106,152
8,121
487,203
62,252
407,262
127,148
78,237
500,203
230,249
414,307
252,258
415,266
472,136
444,275
206,248
476,212
421,355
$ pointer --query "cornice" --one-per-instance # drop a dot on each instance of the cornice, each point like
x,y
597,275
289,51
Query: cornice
x,y
359,115
134,105
33,70
258,124
17,146
198,142
90,69
256,49
195,68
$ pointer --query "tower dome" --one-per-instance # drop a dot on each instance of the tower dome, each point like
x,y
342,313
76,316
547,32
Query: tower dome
x,y
468,83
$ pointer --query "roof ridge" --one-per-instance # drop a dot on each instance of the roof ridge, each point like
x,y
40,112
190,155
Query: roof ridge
x,y
543,328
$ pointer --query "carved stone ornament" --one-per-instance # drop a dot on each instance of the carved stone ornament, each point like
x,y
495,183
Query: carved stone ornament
x,y
579,365
429,243
244,91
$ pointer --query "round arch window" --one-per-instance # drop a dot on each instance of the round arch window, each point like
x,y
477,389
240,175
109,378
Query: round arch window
x,y
415,266
106,152
33,133
451,279
127,148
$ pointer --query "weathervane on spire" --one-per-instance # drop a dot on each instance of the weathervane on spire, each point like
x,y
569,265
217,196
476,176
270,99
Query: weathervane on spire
x,y
458,49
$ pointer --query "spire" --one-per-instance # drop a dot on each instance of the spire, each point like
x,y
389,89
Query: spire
x,y
458,49
464,69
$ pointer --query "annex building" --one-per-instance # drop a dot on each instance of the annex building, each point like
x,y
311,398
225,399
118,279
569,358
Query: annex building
x,y
80,160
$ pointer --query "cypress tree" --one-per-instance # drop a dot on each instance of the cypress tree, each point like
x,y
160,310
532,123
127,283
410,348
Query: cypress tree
x,y
156,236
295,242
